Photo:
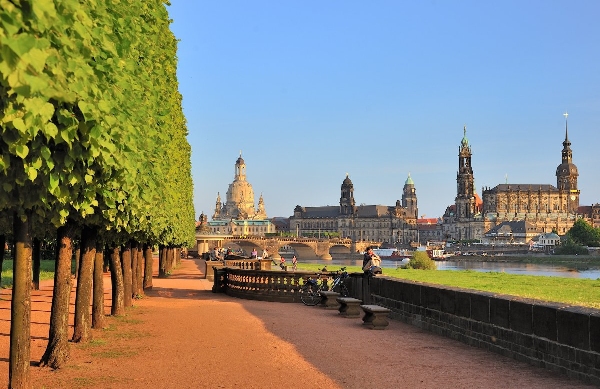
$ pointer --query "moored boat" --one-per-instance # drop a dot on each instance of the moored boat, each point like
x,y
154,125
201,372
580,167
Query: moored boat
x,y
392,253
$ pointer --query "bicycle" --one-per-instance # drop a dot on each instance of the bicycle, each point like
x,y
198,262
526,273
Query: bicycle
x,y
338,284
310,293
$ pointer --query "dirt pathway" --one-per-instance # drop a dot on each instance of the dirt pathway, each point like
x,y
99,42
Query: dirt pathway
x,y
184,336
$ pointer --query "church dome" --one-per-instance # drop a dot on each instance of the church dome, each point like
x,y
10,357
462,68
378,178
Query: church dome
x,y
567,168
240,161
409,180
347,182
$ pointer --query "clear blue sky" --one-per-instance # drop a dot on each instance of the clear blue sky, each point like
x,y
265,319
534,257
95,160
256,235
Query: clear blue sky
x,y
312,90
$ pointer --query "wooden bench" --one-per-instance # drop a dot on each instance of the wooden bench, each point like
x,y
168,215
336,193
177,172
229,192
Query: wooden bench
x,y
375,316
349,307
328,299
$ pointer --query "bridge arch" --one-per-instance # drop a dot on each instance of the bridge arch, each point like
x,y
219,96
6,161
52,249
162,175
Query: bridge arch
x,y
304,248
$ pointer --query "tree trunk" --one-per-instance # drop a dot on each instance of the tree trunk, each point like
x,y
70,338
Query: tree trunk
x,y
76,256
178,256
57,350
98,298
140,271
170,258
20,315
116,279
36,254
82,329
134,269
2,251
148,266
162,261
126,263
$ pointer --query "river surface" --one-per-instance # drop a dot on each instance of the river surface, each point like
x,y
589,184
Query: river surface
x,y
485,266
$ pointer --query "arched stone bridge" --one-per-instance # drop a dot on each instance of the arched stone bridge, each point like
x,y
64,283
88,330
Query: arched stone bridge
x,y
305,248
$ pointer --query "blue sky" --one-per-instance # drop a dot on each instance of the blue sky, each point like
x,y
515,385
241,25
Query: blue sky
x,y
312,90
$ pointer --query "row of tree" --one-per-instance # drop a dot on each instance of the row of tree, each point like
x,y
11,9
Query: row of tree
x,y
92,147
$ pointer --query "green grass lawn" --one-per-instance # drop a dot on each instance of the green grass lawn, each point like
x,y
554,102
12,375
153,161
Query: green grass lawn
x,y
575,291
46,272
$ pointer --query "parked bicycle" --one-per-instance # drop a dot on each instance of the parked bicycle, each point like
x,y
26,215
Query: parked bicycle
x,y
310,292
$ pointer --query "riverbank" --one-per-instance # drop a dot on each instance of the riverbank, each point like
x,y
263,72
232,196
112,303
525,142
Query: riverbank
x,y
565,260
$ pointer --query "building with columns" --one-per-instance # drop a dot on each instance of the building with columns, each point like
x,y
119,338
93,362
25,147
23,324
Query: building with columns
x,y
390,224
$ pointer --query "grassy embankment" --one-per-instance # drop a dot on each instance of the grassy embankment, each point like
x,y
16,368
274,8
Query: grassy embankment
x,y
46,272
574,291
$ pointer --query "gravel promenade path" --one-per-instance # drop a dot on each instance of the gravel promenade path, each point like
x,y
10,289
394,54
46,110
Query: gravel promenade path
x,y
181,335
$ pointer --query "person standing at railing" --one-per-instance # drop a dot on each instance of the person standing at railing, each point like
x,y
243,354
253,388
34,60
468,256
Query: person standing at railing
x,y
254,254
371,262
294,263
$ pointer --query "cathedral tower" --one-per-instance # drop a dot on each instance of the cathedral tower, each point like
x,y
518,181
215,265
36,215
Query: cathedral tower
x,y
347,204
566,174
465,193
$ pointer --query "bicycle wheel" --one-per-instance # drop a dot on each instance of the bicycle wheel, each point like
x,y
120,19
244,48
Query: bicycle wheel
x,y
309,295
344,290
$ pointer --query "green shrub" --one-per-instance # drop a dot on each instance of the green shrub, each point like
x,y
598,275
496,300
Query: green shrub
x,y
420,260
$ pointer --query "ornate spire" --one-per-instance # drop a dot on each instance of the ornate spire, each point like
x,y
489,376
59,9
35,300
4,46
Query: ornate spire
x,y
464,141
567,154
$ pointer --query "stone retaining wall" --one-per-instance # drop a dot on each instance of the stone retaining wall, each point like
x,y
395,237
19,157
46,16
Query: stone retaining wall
x,y
557,337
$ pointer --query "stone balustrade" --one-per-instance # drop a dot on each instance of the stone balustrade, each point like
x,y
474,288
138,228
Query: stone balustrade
x,y
266,285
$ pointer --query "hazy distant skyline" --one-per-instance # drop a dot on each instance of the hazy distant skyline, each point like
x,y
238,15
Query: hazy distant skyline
x,y
310,91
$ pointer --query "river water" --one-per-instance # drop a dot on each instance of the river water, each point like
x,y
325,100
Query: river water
x,y
486,266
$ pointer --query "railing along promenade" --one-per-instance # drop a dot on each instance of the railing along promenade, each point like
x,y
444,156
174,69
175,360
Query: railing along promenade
x,y
254,280
555,336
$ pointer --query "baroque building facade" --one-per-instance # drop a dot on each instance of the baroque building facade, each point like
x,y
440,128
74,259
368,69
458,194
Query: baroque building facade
x,y
389,224
238,215
543,207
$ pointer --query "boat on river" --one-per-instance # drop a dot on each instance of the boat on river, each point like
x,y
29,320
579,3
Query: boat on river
x,y
392,253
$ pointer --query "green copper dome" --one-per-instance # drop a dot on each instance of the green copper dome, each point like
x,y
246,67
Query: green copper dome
x,y
464,141
409,180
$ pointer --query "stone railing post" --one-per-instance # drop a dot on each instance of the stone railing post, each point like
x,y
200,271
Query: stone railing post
x,y
220,282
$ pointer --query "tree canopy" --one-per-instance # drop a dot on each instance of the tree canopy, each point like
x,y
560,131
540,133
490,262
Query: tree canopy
x,y
91,124
584,234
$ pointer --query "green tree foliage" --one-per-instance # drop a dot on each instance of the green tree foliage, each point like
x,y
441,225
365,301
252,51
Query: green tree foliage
x,y
570,247
92,130
421,260
584,234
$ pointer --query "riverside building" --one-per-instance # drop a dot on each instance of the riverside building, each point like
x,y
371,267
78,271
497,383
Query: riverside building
x,y
532,209
390,224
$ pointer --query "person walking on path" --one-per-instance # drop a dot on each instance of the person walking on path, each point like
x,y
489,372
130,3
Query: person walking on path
x,y
282,263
